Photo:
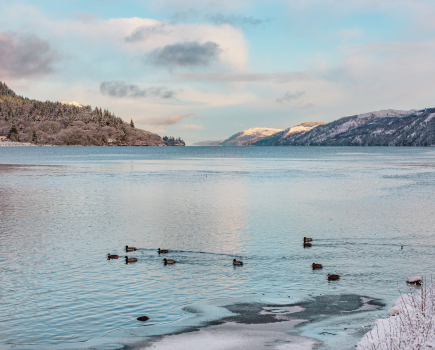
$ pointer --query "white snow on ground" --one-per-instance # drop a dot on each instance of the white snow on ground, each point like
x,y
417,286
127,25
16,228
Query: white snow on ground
x,y
298,129
430,117
273,336
411,324
72,103
244,137
260,131
385,113
10,143
362,119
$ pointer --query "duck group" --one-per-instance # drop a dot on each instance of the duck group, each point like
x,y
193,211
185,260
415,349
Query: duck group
x,y
316,266
306,243
160,251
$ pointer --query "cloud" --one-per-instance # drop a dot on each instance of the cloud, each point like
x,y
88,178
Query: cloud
x,y
171,120
146,32
234,20
185,54
192,127
290,97
121,89
305,105
218,18
279,77
25,55
85,16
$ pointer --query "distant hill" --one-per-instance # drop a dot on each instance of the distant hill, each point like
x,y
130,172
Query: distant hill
x,y
208,143
382,128
279,138
66,123
248,136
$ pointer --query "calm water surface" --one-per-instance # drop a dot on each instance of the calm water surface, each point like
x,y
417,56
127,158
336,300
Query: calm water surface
x,y
62,209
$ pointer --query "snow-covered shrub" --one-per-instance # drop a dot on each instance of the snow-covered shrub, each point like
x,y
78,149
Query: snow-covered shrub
x,y
411,325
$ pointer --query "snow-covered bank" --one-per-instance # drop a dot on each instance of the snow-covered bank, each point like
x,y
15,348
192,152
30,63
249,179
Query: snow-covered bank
x,y
411,324
10,143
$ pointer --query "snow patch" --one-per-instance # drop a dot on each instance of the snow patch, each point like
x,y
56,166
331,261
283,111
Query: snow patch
x,y
72,103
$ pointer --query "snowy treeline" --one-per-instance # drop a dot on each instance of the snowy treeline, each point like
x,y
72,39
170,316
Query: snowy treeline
x,y
411,325
25,120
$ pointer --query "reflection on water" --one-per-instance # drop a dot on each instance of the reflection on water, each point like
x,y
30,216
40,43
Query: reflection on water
x,y
68,207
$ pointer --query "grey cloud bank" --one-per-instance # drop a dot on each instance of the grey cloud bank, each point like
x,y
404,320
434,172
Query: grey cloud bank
x,y
185,54
279,77
25,55
218,18
290,96
122,89
145,32
171,120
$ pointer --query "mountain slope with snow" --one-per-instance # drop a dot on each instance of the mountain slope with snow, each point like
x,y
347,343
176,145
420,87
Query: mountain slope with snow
x,y
248,136
278,138
383,128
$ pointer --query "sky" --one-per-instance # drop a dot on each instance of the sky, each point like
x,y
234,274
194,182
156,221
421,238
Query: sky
x,y
207,69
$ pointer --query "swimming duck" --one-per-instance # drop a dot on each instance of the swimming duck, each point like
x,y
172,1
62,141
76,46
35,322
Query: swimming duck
x,y
316,266
169,261
333,277
110,256
143,318
417,280
307,245
237,262
307,239
163,251
130,260
129,249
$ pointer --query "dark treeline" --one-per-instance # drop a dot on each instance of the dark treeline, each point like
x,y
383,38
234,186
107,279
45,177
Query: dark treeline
x,y
172,141
25,120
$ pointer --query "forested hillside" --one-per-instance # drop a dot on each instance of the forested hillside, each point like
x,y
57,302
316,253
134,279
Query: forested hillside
x,y
383,128
55,123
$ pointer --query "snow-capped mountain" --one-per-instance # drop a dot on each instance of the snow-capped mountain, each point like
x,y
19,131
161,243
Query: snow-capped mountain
x,y
383,128
248,136
278,138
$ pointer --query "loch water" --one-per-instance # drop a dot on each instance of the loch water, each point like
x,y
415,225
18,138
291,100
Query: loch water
x,y
62,209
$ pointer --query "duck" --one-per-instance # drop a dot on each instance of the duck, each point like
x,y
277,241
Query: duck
x,y
169,261
307,245
316,266
333,277
237,262
164,251
416,280
130,260
307,239
110,256
129,249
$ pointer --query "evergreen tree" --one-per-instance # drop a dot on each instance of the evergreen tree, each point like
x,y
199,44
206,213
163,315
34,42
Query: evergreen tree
x,y
131,123
13,133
